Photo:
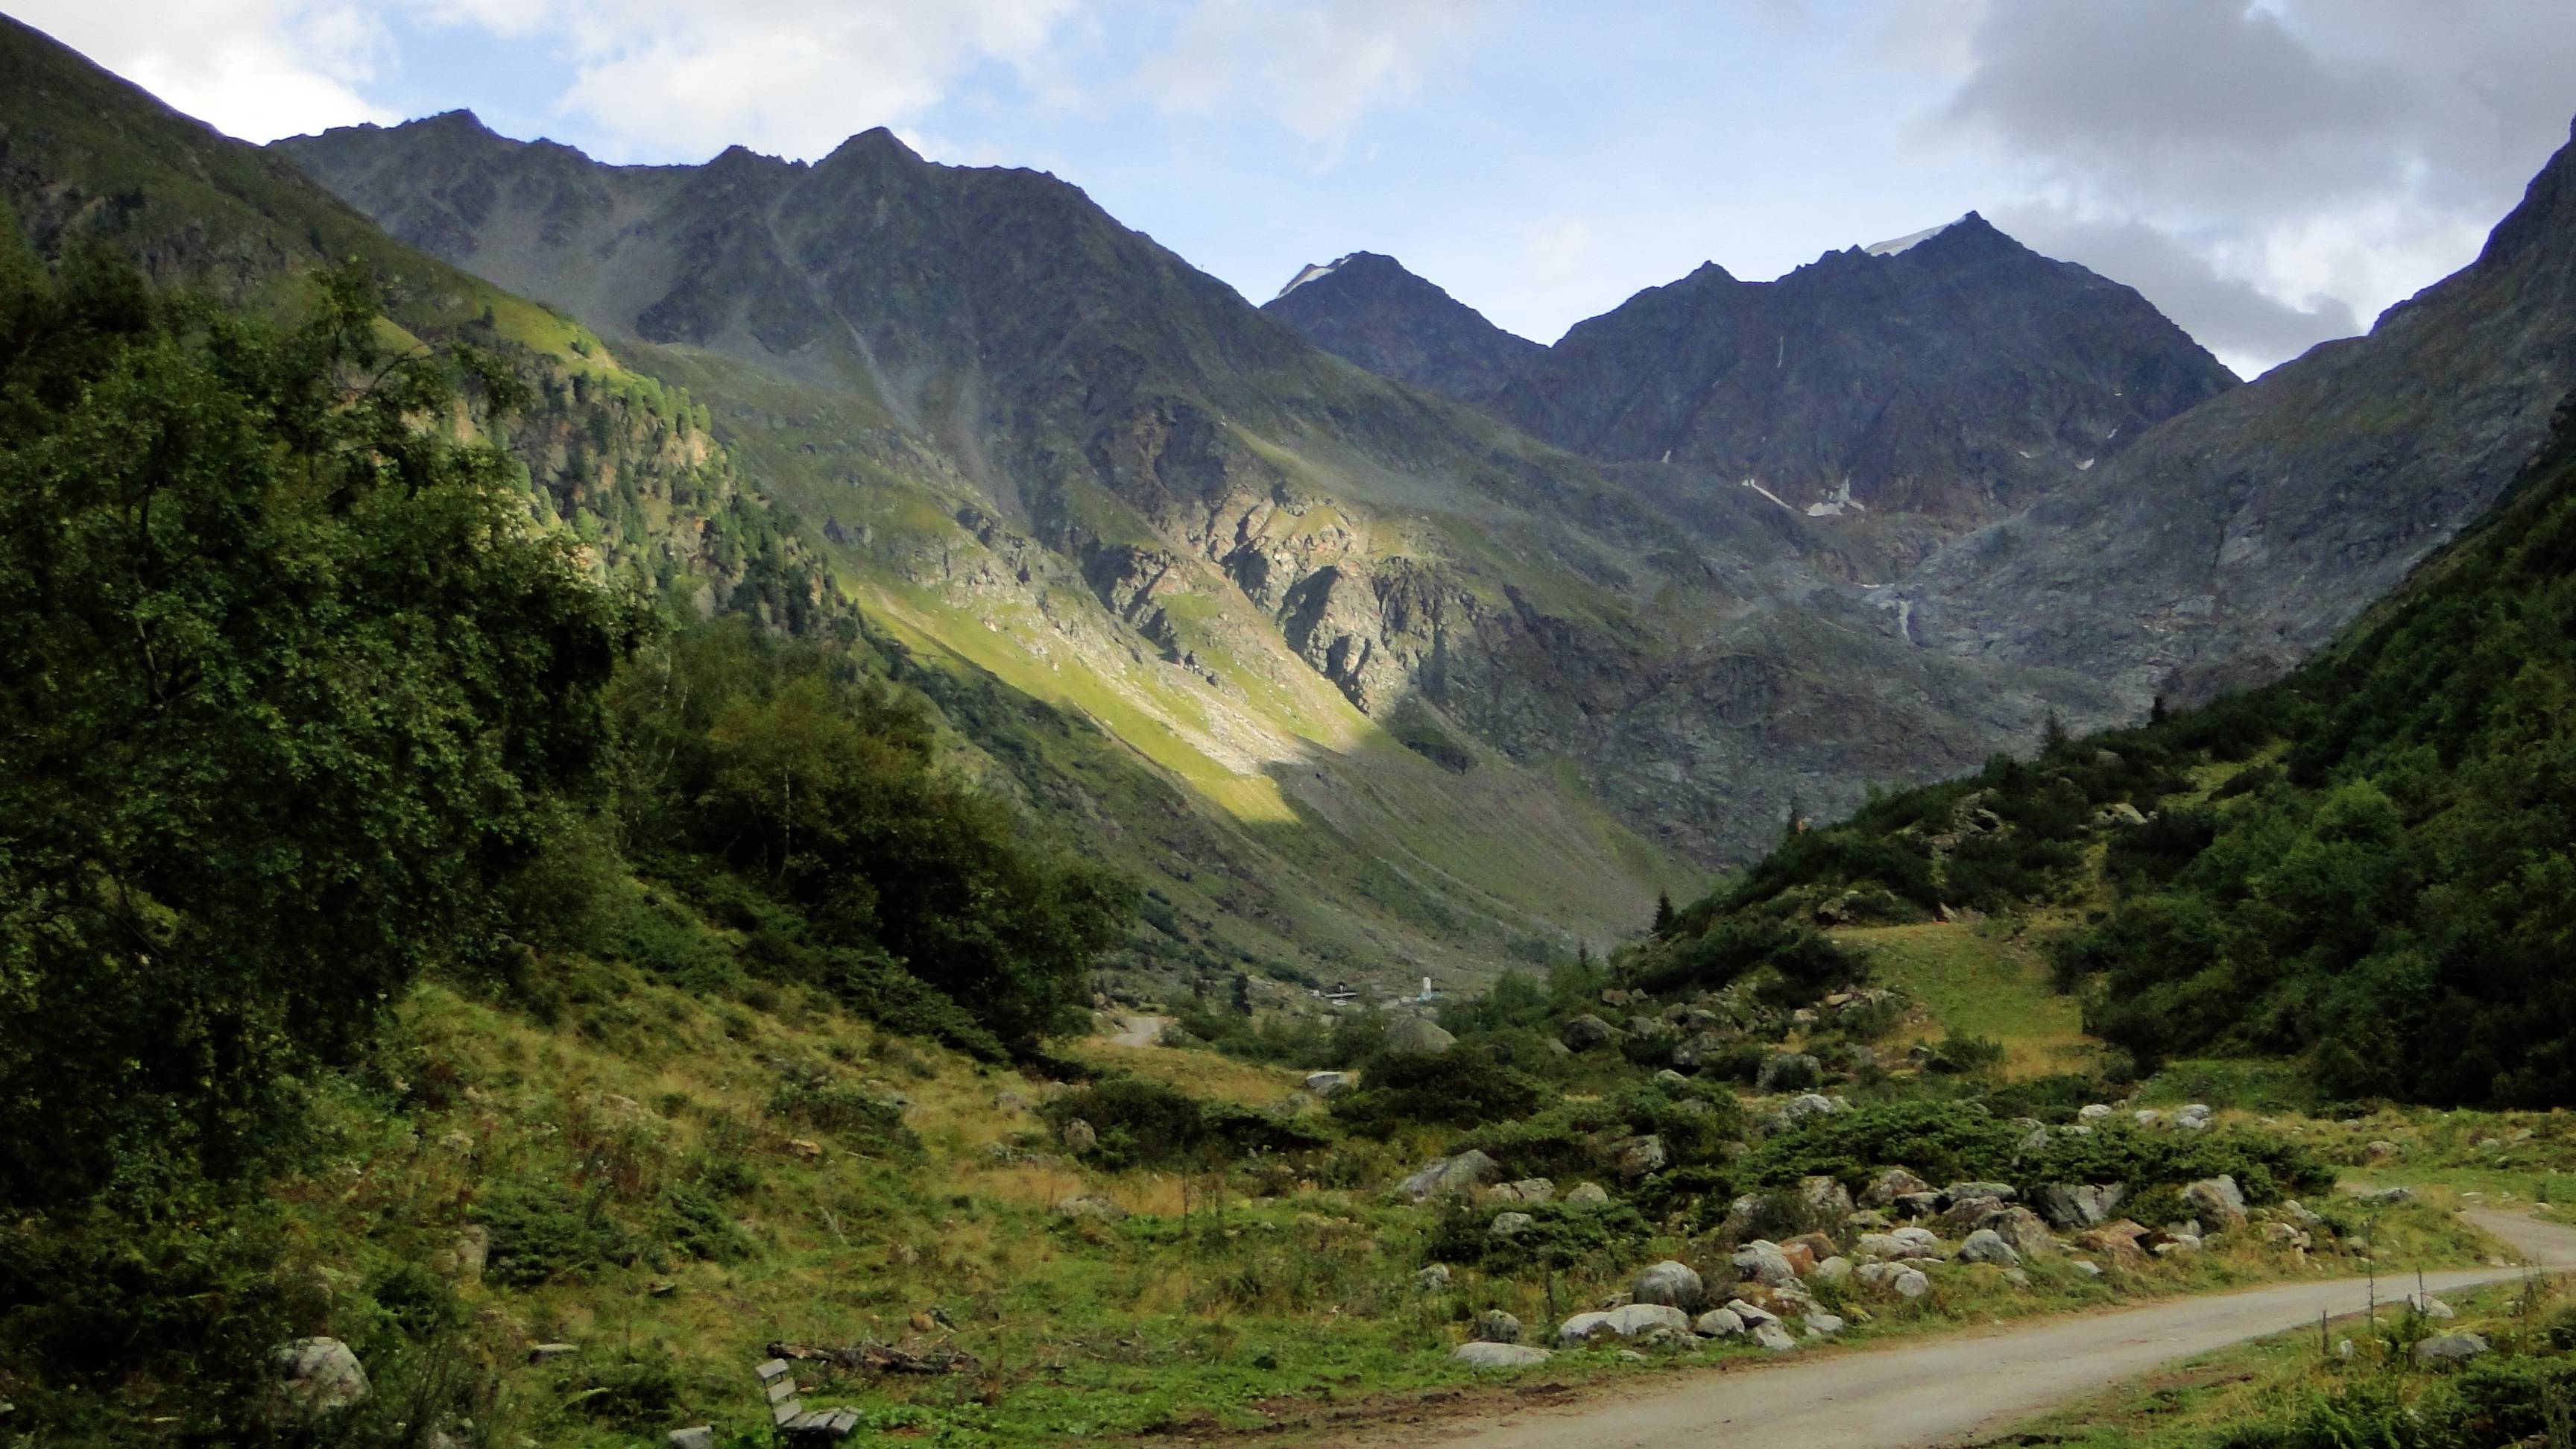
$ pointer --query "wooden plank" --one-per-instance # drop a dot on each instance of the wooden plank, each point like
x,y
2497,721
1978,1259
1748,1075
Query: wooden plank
x,y
842,1423
781,1414
775,1368
783,1389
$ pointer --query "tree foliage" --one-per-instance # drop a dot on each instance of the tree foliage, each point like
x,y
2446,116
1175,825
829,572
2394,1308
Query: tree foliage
x,y
292,684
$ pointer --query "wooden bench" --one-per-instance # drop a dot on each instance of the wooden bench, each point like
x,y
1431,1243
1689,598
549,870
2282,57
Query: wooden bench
x,y
796,1424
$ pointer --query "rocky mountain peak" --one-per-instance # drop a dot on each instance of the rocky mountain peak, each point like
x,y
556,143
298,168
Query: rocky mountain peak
x,y
1366,307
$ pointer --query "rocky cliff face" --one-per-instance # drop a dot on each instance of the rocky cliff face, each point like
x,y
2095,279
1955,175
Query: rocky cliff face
x,y
1905,392
1368,309
2239,537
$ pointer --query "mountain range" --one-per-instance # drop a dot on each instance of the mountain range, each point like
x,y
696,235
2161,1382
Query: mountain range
x,y
1377,642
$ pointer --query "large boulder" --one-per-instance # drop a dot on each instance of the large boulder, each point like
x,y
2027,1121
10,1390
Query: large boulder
x,y
2022,1229
1588,1031
1718,1323
317,1376
1699,1051
1327,1084
1451,1177
1636,1157
2217,1198
1484,1355
2449,1348
2080,1205
1885,1189
1636,1320
1824,1199
1675,1285
1961,1217
1495,1326
1773,1337
2122,1241
1985,1245
1511,1225
1414,1036
1790,1072
1587,1196
1762,1261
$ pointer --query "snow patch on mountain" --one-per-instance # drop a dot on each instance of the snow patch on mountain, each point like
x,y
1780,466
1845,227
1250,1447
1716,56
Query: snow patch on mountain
x,y
1310,272
1909,242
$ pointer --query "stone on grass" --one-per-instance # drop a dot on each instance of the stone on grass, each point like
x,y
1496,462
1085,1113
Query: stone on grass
x,y
1637,1320
1512,1225
1762,1262
1750,1313
1639,1156
1674,1284
1888,1186
1079,1136
2088,1267
1451,1176
1327,1084
1809,1104
2194,1118
1959,1192
1789,1072
1582,1328
318,1375
696,1436
1910,1283
2450,1348
1772,1336
1833,1270
1091,1205
1487,1355
1985,1245
1414,1036
2092,1112
1434,1279
2386,1197
1587,1195
1718,1323
1824,1198
1821,1324
2022,1229
2217,1197
1588,1031
2080,1205
1495,1326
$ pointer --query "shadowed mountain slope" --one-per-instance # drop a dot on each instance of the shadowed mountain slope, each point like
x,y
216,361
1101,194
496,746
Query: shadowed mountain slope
x,y
1368,309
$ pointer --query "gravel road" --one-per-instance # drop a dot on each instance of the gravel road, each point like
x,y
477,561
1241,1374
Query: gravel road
x,y
1943,1390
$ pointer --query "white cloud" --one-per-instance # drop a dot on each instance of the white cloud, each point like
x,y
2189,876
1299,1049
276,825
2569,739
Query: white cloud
x,y
1316,66
2285,170
257,69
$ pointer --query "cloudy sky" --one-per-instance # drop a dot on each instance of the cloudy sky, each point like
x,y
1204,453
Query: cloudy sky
x,y
2271,172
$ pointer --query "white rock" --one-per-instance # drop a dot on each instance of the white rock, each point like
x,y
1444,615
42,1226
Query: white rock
x,y
1499,1355
1718,1323
1773,1337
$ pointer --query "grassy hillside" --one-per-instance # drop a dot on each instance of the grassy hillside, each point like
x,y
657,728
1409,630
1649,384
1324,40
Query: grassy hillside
x,y
2364,869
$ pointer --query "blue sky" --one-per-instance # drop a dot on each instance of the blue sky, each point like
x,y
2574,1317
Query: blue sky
x,y
2270,172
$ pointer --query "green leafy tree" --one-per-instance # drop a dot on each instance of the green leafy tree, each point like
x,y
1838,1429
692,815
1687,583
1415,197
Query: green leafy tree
x,y
292,684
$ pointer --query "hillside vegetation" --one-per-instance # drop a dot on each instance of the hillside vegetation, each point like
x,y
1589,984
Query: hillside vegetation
x,y
2367,867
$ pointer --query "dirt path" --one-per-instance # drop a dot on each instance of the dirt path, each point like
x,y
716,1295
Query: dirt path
x,y
1937,1392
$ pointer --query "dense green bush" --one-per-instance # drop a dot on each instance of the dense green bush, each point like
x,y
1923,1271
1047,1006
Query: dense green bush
x,y
1462,1087
1559,1238
1146,1123
540,1232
